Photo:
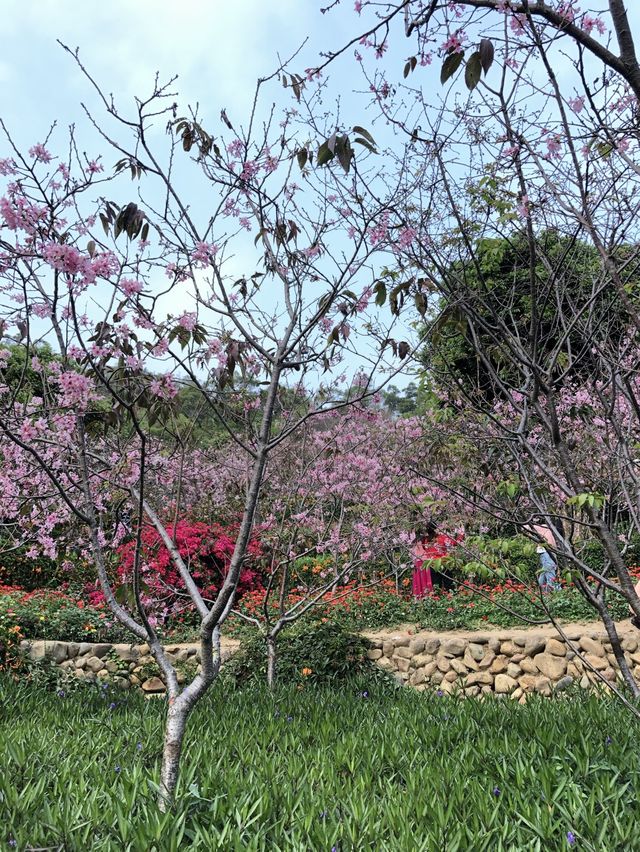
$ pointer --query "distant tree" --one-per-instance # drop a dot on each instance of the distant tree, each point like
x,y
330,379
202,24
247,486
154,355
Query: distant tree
x,y
496,282
402,402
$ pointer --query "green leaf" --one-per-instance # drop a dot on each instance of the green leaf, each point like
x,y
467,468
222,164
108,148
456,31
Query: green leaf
x,y
366,144
410,66
334,336
344,152
486,52
473,71
324,154
302,156
362,132
450,66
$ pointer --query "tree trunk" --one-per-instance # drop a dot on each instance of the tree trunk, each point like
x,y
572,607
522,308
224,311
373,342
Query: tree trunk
x,y
271,661
177,716
180,707
612,632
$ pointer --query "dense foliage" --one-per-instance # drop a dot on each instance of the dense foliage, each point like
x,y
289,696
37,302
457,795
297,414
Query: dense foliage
x,y
469,607
307,653
58,615
20,567
47,614
368,766
498,283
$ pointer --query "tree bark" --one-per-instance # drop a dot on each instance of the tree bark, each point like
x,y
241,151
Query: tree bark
x,y
177,716
271,661
612,632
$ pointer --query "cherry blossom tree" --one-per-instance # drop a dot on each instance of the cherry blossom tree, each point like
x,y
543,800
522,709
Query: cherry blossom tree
x,y
139,298
340,491
520,148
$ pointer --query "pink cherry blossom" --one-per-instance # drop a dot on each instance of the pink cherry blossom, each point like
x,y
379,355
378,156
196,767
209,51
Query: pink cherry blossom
x,y
554,146
40,153
577,104
130,286
454,42
204,253
188,320
523,207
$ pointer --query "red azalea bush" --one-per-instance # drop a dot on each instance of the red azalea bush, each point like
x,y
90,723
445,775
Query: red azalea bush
x,y
206,550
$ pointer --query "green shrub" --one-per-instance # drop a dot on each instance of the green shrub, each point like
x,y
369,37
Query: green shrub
x,y
29,573
494,559
11,658
46,614
18,569
311,652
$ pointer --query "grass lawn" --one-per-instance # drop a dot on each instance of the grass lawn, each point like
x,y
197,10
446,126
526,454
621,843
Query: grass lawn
x,y
360,766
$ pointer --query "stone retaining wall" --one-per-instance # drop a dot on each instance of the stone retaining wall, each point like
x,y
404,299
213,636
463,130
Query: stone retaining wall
x,y
511,663
124,665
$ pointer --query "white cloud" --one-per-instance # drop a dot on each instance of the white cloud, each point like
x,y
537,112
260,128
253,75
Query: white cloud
x,y
217,48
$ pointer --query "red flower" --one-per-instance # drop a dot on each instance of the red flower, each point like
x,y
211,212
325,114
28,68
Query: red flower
x,y
206,549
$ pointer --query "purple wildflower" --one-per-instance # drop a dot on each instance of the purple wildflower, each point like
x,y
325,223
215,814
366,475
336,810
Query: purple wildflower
x,y
496,791
571,838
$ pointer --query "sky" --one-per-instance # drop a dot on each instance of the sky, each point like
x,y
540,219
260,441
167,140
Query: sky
x,y
217,48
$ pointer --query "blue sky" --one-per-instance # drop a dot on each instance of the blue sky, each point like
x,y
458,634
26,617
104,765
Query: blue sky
x,y
217,48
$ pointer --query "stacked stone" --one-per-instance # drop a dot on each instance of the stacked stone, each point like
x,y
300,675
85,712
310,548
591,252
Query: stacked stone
x,y
93,662
504,664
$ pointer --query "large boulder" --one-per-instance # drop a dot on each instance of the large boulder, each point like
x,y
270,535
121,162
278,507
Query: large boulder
x,y
533,645
479,678
558,649
453,647
153,684
592,646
